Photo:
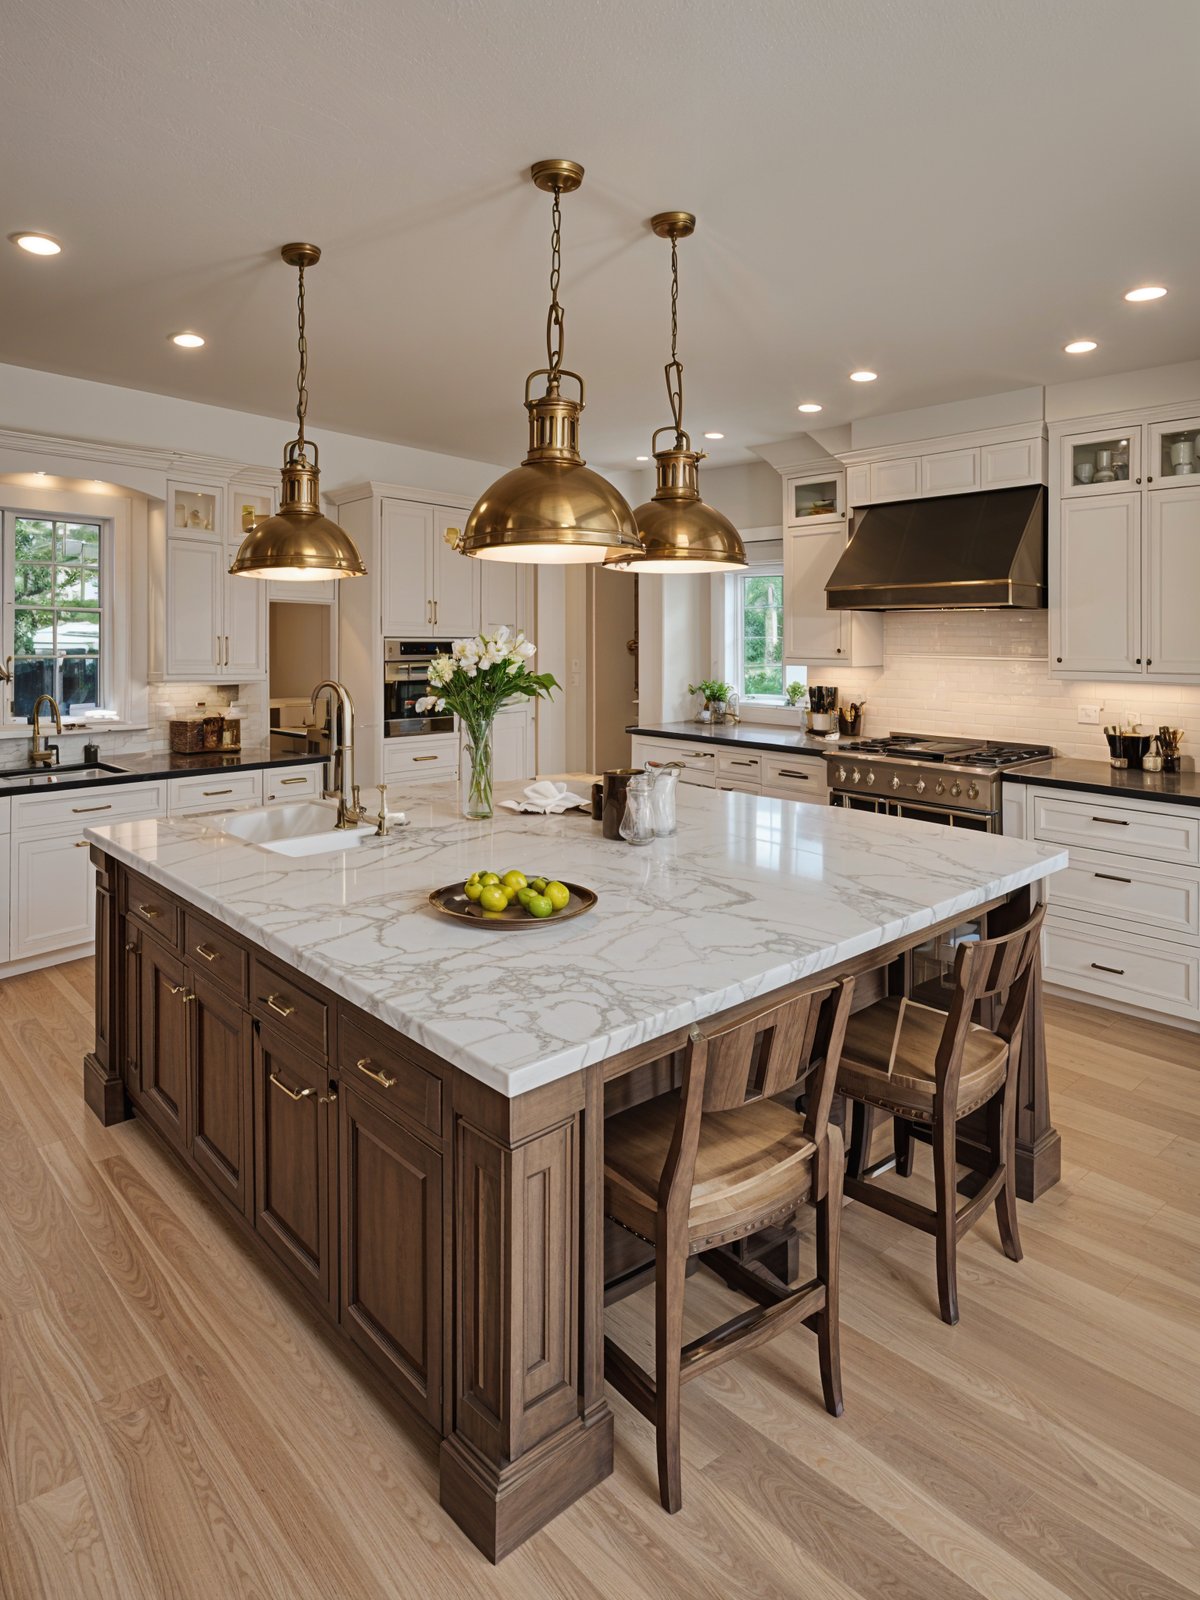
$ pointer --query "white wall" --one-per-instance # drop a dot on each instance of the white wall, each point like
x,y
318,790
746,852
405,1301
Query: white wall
x,y
1154,386
673,630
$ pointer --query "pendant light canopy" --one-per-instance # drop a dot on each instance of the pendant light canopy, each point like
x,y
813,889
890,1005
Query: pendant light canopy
x,y
298,542
679,533
552,508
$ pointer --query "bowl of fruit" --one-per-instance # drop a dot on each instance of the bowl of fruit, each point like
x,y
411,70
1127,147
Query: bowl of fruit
x,y
512,899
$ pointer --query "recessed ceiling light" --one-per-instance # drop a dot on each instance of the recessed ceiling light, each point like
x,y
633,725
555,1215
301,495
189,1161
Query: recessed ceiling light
x,y
40,473
187,341
1151,291
714,435
37,244
809,405
642,458
863,375
1079,347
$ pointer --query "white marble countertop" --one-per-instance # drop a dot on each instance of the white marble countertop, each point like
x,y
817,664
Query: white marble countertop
x,y
751,894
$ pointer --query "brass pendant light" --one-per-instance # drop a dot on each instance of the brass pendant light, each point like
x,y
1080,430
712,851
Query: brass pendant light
x,y
552,508
679,533
298,542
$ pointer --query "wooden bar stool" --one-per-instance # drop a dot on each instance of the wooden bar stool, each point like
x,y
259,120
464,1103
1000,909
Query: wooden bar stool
x,y
930,1069
719,1159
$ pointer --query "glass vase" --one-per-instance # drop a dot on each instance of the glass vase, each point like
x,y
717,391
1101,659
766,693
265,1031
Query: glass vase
x,y
475,767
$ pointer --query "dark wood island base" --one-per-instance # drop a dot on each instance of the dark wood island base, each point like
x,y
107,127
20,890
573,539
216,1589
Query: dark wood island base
x,y
452,1236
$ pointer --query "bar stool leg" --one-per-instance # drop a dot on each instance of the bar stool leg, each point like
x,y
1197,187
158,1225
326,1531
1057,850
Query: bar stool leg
x,y
902,1141
671,1276
944,1172
829,1235
1001,1120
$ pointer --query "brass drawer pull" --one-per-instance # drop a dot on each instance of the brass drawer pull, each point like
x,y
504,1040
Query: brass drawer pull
x,y
329,1099
182,989
703,755
424,758
1111,877
1120,971
743,763
1113,822
150,911
275,1004
211,794
292,1094
207,954
282,781
79,809
786,772
364,1065
82,844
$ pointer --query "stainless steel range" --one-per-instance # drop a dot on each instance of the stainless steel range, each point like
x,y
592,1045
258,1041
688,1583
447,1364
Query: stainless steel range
x,y
951,780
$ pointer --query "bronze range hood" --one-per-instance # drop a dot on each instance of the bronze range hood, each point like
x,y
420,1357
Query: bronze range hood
x,y
952,552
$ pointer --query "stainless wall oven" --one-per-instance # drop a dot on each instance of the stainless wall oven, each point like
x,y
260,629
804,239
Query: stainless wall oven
x,y
405,682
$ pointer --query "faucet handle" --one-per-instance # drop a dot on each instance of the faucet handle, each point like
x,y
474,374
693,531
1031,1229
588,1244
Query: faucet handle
x,y
381,821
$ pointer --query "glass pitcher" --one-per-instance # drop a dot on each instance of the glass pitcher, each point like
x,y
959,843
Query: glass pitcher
x,y
666,777
637,825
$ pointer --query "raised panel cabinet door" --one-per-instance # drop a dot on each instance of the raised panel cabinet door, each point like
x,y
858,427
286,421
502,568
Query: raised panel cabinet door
x,y
858,485
406,575
54,884
292,1186
810,632
498,603
896,480
129,964
244,640
165,1001
222,1096
391,1257
456,580
950,472
195,619
1016,461
1099,602
1173,583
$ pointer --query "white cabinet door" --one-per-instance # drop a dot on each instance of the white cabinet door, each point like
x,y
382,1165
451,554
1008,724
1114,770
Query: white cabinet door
x,y
1017,461
858,485
512,745
499,594
54,900
1173,583
896,480
950,472
810,632
5,896
455,579
195,587
1099,605
245,635
406,575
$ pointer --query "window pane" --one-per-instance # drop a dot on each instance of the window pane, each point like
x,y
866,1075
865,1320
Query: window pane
x,y
80,676
33,633
78,633
30,679
762,634
79,541
33,583
35,539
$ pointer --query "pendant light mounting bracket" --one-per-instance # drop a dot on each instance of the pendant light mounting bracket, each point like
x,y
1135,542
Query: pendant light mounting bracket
x,y
557,176
301,255
673,224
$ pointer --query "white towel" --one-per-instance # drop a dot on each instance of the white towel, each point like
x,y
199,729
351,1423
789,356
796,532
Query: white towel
x,y
546,798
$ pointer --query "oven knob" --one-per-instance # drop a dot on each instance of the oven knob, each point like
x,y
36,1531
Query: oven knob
x,y
939,787
870,776
920,785
956,788
841,774
973,792
895,782
856,776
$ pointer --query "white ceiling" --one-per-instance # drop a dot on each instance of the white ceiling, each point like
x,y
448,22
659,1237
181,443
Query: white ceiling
x,y
943,190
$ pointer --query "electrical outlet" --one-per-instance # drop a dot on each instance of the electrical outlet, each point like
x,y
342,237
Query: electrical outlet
x,y
1088,713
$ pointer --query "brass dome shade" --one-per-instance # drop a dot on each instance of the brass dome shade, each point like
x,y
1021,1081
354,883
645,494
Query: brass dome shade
x,y
552,508
298,543
679,532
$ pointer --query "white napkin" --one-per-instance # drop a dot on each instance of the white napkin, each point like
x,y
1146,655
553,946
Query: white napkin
x,y
546,798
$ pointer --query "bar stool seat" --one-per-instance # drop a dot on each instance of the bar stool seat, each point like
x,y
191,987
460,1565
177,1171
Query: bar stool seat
x,y
910,1088
748,1163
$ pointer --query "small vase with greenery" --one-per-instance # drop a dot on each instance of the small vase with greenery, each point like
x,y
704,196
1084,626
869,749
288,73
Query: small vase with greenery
x,y
716,696
475,680
796,694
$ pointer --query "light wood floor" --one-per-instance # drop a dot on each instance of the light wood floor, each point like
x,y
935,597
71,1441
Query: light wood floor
x,y
170,1425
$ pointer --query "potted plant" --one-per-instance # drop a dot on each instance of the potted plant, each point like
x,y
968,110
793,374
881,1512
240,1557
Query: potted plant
x,y
796,694
475,680
716,698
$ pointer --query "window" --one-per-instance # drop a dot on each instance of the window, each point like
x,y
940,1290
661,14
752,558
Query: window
x,y
53,621
758,609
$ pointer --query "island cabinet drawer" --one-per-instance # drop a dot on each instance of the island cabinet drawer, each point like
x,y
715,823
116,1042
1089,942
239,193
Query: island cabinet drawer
x,y
211,952
387,1075
741,765
278,999
214,791
1122,965
421,756
87,808
795,778
1155,831
1165,899
292,783
154,910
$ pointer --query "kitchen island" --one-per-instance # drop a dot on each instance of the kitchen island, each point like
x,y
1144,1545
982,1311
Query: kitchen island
x,y
406,1114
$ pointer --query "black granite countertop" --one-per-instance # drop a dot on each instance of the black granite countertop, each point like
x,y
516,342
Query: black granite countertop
x,y
1097,777
143,768
743,735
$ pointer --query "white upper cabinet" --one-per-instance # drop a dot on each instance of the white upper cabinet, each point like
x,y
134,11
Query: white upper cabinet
x,y
194,588
1173,454
896,480
1013,462
1173,583
1105,462
813,499
428,590
1096,627
950,472
958,464
812,634
208,626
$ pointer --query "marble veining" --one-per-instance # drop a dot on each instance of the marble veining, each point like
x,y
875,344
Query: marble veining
x,y
750,894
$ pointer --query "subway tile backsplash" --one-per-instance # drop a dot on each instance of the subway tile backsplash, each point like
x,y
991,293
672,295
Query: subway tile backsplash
x,y
986,673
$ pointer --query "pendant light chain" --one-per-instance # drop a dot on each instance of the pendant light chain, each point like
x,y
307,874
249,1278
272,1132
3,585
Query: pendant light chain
x,y
674,368
302,376
556,315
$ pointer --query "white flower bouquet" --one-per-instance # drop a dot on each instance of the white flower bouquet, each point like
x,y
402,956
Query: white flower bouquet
x,y
478,677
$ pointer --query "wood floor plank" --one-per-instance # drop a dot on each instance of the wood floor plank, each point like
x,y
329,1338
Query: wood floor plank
x,y
67,1552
